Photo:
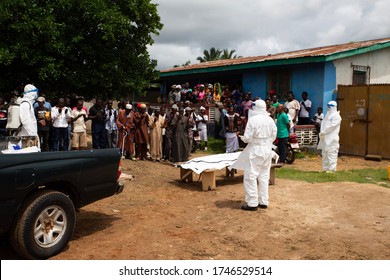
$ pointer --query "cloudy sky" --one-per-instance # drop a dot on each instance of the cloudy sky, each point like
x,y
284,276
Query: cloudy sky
x,y
258,27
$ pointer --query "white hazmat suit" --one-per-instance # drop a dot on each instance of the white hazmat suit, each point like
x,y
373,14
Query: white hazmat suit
x,y
255,160
27,115
329,137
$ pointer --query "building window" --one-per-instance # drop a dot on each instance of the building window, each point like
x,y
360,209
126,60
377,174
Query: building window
x,y
280,81
360,75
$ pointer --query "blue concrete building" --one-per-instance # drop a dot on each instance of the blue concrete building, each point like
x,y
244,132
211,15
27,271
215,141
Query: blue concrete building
x,y
317,71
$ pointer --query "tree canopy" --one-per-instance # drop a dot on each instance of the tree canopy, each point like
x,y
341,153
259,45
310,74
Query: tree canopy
x,y
216,54
84,47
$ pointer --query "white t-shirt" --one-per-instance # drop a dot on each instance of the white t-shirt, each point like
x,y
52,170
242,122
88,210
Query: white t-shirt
x,y
292,106
304,113
60,120
202,125
79,124
319,118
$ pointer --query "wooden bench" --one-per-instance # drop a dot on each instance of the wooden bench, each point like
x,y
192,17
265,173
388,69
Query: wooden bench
x,y
208,176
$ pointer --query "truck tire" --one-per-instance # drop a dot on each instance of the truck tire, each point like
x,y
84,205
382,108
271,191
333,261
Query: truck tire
x,y
44,225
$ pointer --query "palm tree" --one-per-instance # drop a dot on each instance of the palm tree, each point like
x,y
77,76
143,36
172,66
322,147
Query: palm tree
x,y
185,64
226,54
213,54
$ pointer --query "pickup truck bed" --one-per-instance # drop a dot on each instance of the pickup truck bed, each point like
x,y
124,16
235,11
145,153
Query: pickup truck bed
x,y
39,193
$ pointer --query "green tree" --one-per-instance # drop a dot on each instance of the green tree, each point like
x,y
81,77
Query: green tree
x,y
87,47
213,54
226,54
217,54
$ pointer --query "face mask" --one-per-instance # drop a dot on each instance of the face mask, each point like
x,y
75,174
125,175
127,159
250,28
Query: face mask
x,y
35,95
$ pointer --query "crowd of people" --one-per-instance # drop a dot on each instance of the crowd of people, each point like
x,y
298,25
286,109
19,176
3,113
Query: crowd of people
x,y
142,132
162,133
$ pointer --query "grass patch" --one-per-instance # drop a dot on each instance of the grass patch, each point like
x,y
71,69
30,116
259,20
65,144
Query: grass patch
x,y
216,146
361,176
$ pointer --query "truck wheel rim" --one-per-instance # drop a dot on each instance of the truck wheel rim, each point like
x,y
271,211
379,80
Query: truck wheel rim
x,y
50,226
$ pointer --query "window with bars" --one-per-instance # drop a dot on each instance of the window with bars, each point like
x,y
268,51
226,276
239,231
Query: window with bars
x,y
280,81
360,74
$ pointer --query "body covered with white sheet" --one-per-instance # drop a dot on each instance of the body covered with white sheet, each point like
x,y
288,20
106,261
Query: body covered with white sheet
x,y
255,160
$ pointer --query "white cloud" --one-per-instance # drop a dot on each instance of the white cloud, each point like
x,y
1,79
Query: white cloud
x,y
259,27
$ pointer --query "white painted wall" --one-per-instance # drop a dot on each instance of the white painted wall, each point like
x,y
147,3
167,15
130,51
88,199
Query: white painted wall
x,y
379,61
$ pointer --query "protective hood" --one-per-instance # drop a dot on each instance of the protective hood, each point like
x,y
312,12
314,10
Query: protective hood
x,y
259,105
30,93
332,107
258,108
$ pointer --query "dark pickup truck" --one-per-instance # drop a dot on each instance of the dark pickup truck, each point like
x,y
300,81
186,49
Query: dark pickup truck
x,y
40,192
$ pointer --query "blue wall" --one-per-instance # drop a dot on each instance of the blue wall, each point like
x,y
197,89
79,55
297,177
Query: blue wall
x,y
309,78
255,81
304,77
329,84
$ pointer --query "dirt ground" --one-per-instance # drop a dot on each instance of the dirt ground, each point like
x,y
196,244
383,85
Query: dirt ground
x,y
159,218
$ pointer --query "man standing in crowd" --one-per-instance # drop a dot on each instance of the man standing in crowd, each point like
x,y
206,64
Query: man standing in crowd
x,y
156,123
293,107
202,120
274,101
98,115
178,93
283,127
180,143
111,128
27,113
329,138
61,115
169,132
232,131
304,113
191,126
125,124
43,116
246,104
79,117
141,120
256,158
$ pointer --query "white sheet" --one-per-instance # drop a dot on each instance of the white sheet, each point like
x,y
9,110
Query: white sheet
x,y
212,162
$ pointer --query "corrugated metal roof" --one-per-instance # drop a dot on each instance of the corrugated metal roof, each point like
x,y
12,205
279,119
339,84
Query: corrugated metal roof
x,y
313,52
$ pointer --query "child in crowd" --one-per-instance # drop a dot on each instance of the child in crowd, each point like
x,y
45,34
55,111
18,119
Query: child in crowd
x,y
318,117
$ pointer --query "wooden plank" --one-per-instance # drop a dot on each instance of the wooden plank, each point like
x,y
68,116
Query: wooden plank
x,y
373,157
208,180
186,175
230,173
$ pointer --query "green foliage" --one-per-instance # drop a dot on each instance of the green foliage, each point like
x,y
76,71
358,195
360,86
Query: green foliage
x,y
226,54
216,54
213,54
86,47
373,176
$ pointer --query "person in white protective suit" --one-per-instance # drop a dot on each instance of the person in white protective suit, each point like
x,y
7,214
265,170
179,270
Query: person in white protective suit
x,y
27,114
329,138
255,160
